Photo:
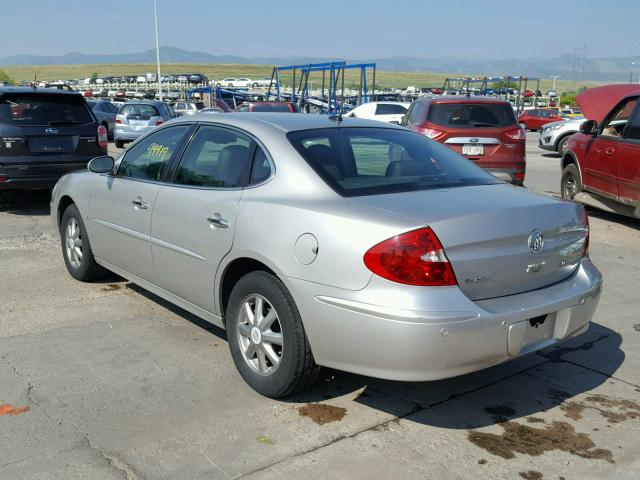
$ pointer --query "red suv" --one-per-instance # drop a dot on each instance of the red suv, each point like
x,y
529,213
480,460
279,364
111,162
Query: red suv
x,y
484,130
535,119
601,166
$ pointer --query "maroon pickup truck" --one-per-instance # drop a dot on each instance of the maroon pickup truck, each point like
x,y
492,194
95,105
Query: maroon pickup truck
x,y
601,166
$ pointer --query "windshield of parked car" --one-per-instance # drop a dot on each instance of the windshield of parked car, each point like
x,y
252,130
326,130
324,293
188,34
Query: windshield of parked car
x,y
471,115
372,161
139,111
42,109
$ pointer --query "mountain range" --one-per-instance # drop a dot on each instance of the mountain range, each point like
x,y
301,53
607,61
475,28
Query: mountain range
x,y
569,67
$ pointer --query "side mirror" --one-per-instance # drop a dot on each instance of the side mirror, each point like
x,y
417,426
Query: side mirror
x,y
589,127
102,164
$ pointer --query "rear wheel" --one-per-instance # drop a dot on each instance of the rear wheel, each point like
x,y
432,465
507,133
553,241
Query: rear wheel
x,y
266,337
570,183
76,248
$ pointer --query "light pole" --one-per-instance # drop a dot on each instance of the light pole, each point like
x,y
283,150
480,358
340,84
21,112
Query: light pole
x,y
555,77
155,14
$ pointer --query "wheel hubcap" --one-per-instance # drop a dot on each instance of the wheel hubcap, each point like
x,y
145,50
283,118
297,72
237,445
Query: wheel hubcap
x,y
570,187
73,243
259,335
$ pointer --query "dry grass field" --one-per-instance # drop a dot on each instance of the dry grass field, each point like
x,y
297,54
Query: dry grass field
x,y
383,79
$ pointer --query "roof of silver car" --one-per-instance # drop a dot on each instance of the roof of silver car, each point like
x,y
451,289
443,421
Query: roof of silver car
x,y
289,122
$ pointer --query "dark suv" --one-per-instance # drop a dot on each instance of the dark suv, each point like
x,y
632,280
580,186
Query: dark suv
x,y
45,134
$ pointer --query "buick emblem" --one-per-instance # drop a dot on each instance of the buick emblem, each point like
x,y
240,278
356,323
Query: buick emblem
x,y
536,242
51,131
473,140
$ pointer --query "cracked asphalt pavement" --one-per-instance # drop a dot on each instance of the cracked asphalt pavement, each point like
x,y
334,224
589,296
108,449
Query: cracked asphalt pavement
x,y
107,381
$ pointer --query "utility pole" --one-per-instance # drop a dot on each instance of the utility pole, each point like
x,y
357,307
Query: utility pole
x,y
555,77
155,14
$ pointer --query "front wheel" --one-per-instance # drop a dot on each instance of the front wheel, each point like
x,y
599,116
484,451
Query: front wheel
x,y
266,337
562,146
76,248
570,183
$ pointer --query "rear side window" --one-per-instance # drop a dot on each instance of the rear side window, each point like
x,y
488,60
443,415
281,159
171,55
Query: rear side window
x,y
373,161
390,109
42,109
139,111
470,115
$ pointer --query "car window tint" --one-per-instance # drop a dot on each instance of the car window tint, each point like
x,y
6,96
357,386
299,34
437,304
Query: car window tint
x,y
148,158
139,111
632,131
390,109
43,109
465,115
371,161
260,170
216,157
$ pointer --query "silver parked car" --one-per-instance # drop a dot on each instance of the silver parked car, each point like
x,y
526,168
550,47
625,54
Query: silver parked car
x,y
187,108
135,118
554,136
106,114
350,243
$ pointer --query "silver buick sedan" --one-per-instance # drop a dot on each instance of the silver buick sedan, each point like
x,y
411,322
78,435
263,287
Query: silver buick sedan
x,y
322,241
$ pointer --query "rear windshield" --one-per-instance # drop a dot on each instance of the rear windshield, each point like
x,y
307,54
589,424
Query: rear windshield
x,y
466,115
372,161
139,111
43,109
272,107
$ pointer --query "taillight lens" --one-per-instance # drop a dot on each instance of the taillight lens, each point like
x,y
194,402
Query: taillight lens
x,y
433,133
103,141
3,178
118,121
516,134
585,221
519,176
159,122
412,258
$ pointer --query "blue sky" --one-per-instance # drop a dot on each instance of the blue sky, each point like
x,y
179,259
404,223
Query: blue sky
x,y
325,28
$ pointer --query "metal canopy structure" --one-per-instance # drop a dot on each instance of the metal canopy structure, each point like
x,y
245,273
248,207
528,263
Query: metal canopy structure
x,y
332,76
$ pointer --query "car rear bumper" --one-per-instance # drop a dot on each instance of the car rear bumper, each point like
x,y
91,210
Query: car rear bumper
x,y
43,174
130,134
421,333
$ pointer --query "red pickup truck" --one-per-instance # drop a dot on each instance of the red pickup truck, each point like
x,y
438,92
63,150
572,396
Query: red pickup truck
x,y
601,166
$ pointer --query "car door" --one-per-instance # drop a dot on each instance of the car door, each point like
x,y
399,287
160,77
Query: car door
x,y
603,151
628,161
194,215
121,204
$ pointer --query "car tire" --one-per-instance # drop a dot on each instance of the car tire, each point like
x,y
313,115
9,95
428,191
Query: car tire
x,y
218,84
294,368
562,146
119,144
76,248
255,85
570,182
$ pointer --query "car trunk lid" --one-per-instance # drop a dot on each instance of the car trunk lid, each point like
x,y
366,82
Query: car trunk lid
x,y
487,231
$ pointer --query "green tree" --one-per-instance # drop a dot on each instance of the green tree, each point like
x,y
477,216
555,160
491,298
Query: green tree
x,y
568,98
94,75
5,79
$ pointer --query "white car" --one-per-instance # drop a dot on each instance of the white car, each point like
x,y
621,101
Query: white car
x,y
389,112
264,82
234,82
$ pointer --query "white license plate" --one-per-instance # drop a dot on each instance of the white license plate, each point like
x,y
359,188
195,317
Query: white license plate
x,y
473,150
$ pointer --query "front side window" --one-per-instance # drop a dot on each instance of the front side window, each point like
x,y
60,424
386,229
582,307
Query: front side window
x,y
372,161
632,131
617,119
148,158
216,157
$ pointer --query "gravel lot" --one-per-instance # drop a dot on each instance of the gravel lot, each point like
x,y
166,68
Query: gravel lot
x,y
106,381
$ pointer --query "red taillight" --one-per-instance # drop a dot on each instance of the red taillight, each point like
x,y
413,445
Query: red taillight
x,y
159,122
519,176
516,134
433,133
585,218
118,121
3,178
412,258
103,141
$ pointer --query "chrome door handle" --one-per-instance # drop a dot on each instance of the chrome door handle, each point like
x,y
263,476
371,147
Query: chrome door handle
x,y
217,221
138,202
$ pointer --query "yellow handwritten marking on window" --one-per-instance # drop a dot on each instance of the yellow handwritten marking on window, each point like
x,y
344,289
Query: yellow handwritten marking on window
x,y
157,150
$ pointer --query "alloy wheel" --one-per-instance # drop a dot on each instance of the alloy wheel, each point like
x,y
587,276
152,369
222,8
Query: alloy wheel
x,y
260,335
570,187
73,243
